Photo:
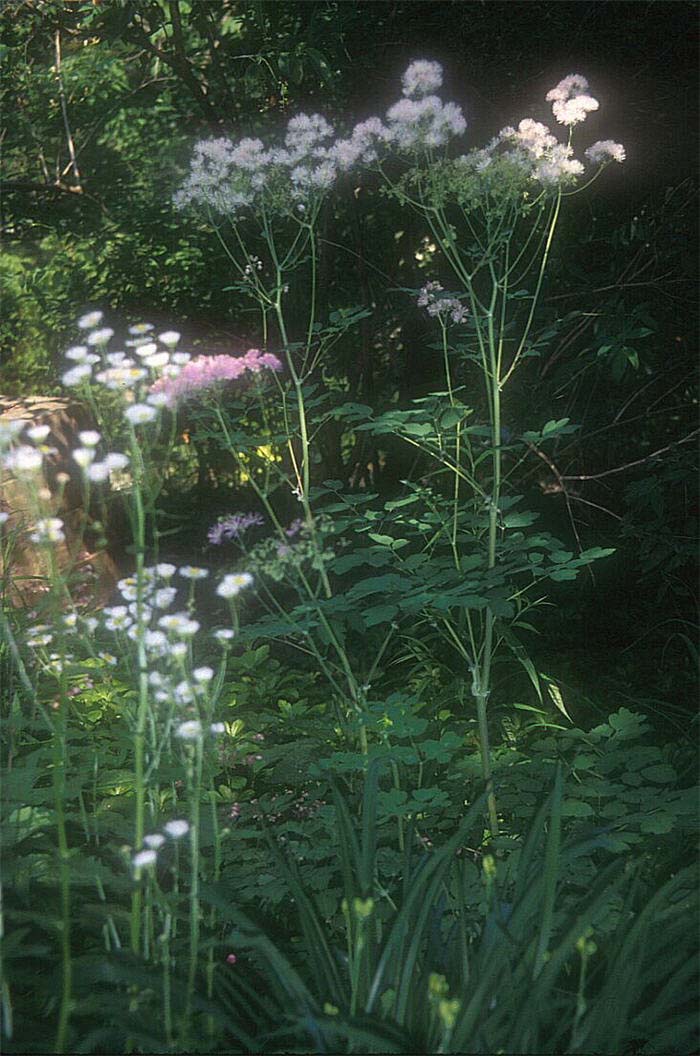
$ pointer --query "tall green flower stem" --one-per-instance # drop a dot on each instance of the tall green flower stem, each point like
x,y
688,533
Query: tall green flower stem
x,y
488,280
194,783
139,535
58,781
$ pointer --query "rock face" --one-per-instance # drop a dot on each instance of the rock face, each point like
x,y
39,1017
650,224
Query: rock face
x,y
92,575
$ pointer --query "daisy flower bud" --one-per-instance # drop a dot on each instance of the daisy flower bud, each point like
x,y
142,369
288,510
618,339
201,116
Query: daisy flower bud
x,y
177,828
90,320
144,859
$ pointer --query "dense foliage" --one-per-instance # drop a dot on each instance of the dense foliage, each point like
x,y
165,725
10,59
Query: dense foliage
x,y
385,741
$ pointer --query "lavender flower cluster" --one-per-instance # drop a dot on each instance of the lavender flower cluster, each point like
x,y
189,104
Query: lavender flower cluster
x,y
233,527
441,307
226,177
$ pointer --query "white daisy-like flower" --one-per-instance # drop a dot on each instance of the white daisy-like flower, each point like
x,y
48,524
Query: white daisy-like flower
x,y
164,597
144,859
193,572
170,338
48,530
160,359
225,634
139,329
23,459
233,584
165,570
140,413
179,359
84,456
89,438
77,353
98,472
90,623
70,620
90,320
156,679
119,622
154,841
38,433
4,517
217,727
177,828
76,375
145,348
109,658
157,399
203,674
115,460
100,337
179,623
178,650
183,694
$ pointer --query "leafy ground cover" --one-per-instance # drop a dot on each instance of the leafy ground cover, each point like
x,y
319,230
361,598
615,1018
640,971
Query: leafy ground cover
x,y
368,775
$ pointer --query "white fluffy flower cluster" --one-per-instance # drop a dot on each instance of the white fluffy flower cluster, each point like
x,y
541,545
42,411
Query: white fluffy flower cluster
x,y
226,176
421,78
605,150
571,103
532,147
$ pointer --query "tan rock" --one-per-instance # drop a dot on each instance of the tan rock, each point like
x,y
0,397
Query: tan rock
x,y
57,491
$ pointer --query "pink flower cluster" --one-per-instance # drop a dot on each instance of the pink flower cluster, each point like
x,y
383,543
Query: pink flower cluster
x,y
205,372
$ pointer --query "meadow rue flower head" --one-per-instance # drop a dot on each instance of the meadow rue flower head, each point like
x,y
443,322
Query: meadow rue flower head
x,y
205,372
570,100
605,150
574,111
233,527
567,88
190,730
419,123
90,320
176,828
422,78
48,530
233,584
442,307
